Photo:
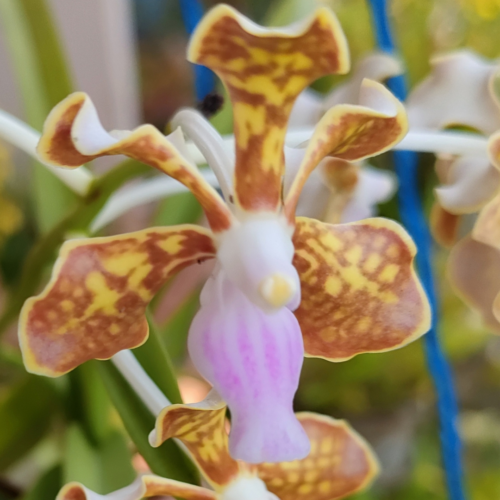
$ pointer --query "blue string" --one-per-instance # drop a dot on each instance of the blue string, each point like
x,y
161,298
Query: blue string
x,y
204,79
413,218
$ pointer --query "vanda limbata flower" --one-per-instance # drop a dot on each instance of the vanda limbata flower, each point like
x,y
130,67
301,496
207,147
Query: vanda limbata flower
x,y
282,286
459,92
339,190
340,463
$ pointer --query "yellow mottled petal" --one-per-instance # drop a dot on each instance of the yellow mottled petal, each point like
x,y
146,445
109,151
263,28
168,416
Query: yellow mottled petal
x,y
264,70
340,463
351,133
73,122
202,430
94,305
143,487
360,292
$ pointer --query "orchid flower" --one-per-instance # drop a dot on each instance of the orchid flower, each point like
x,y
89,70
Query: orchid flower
x,y
460,91
282,286
338,190
340,463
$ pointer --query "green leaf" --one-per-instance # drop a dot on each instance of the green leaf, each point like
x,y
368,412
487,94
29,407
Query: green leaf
x,y
178,209
44,252
154,358
54,71
116,463
52,198
80,462
47,486
168,460
25,417
175,331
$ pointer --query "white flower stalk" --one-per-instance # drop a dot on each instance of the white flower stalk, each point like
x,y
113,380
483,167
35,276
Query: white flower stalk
x,y
26,138
140,381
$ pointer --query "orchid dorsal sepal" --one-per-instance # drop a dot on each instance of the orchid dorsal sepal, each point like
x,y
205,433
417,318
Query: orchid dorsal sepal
x,y
26,138
252,61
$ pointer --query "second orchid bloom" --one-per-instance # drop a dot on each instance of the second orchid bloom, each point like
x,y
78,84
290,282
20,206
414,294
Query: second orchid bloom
x,y
283,287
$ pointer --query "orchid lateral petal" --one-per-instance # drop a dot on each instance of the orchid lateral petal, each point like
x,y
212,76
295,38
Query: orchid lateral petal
x,y
474,272
253,359
340,464
264,70
352,133
143,487
471,182
444,226
458,91
487,226
73,135
310,105
94,305
360,292
202,429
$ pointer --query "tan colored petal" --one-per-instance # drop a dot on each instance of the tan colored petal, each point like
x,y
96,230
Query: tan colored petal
x,y
352,133
470,183
201,427
143,487
360,292
264,70
444,226
73,135
340,464
487,226
474,272
458,91
94,305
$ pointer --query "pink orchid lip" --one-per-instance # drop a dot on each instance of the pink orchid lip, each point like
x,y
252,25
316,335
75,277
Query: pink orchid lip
x,y
253,359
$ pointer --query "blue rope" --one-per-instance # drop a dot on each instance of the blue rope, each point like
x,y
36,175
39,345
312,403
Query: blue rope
x,y
204,79
413,218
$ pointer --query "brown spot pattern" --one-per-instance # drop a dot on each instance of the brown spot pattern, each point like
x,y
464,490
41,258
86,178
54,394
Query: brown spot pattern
x,y
145,144
94,305
340,464
264,73
349,133
360,292
204,433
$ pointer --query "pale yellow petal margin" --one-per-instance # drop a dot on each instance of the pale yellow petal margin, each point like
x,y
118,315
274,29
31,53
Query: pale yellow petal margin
x,y
143,487
340,464
201,427
352,132
264,70
73,135
94,305
360,292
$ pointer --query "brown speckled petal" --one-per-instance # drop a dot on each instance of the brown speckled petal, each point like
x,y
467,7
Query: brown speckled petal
x,y
351,133
264,70
143,487
201,427
73,135
340,464
94,305
360,292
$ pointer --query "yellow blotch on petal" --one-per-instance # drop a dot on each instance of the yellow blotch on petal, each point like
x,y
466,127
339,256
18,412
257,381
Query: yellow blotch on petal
x,y
333,285
105,297
389,273
173,244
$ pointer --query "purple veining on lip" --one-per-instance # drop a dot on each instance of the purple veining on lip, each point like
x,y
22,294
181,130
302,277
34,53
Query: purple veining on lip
x,y
253,358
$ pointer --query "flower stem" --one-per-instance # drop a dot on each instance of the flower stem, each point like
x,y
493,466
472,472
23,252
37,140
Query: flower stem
x,y
140,381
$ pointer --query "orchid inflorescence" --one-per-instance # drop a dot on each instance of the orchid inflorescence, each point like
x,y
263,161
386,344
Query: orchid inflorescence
x,y
283,286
